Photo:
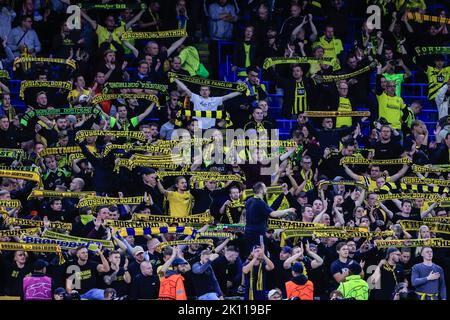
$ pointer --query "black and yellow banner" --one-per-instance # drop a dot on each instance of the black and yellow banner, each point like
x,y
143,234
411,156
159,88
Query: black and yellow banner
x,y
59,194
413,225
329,114
25,84
109,86
16,154
124,232
129,147
203,218
177,33
165,244
417,17
69,62
242,87
12,246
134,224
433,242
10,203
443,219
436,182
39,223
419,188
24,175
361,160
115,96
59,151
284,224
341,183
102,201
56,112
82,134
430,169
18,232
263,143
219,115
269,62
333,78
353,234
426,196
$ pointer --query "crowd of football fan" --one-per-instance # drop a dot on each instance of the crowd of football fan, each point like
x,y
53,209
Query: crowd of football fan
x,y
252,264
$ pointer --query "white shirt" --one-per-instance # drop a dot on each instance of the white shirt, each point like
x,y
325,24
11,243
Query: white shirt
x,y
202,104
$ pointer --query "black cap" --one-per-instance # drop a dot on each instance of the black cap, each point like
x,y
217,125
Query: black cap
x,y
60,290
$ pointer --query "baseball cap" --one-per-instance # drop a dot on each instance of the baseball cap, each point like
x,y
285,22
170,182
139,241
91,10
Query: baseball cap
x,y
137,249
302,194
297,267
390,250
178,261
40,264
286,249
60,290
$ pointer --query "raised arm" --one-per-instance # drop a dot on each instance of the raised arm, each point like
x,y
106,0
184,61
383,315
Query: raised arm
x,y
351,174
388,212
400,173
131,47
428,211
92,22
146,112
104,266
246,269
161,188
281,213
4,88
134,20
231,96
183,87
175,45
313,35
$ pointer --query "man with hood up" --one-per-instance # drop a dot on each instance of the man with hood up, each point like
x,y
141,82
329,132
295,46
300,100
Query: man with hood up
x,y
299,286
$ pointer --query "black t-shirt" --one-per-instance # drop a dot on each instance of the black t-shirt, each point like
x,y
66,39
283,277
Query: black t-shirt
x,y
84,277
339,267
12,277
118,282
143,287
389,278
202,200
257,215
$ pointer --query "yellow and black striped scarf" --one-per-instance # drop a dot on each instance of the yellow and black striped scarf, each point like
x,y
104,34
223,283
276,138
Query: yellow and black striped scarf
x,y
259,281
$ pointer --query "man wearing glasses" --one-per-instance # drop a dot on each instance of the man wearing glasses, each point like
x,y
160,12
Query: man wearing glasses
x,y
24,36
